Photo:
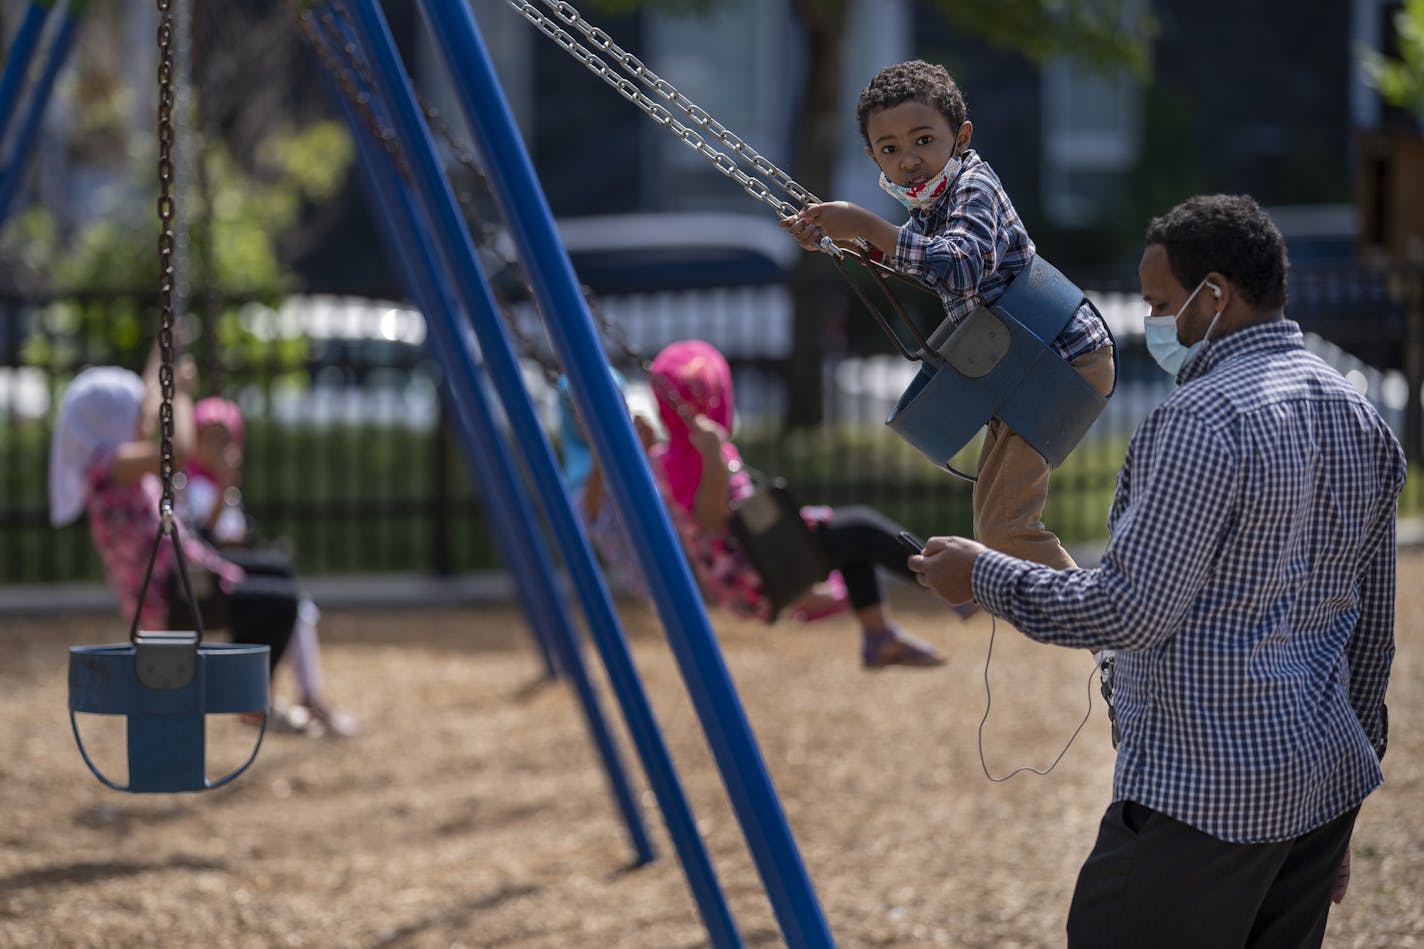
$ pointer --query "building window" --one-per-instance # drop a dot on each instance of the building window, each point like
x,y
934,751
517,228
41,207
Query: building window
x,y
730,61
1090,139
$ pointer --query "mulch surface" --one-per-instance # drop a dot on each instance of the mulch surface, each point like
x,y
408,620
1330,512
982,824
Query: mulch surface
x,y
472,808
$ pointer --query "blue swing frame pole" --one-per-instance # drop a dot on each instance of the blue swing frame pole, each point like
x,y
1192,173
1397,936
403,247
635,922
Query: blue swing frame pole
x,y
392,202
437,202
19,158
571,326
506,502
17,60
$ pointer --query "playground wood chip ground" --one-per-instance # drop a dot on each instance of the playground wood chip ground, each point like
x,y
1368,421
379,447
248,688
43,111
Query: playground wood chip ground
x,y
472,809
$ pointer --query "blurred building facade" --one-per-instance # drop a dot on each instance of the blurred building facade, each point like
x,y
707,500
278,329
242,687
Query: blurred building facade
x,y
1266,98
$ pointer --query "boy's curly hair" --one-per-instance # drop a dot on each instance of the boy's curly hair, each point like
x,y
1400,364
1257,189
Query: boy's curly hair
x,y
1230,234
914,80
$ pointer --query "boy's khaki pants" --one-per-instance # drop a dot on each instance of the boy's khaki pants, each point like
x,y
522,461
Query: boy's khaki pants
x,y
1012,485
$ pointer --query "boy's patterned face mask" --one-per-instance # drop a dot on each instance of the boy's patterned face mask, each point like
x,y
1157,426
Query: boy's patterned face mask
x,y
926,194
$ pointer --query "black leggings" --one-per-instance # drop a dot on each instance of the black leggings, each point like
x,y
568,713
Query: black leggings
x,y
857,540
261,610
265,561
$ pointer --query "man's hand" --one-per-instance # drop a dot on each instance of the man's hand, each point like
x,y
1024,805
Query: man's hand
x,y
946,565
1342,879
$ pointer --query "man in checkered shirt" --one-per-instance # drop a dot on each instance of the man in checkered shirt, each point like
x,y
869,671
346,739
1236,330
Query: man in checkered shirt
x,y
1248,588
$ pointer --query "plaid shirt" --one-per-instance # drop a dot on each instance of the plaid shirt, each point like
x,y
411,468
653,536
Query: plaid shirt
x,y
1249,587
971,244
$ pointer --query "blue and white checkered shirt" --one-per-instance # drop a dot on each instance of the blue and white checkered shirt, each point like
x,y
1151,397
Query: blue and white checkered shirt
x,y
971,244
1248,586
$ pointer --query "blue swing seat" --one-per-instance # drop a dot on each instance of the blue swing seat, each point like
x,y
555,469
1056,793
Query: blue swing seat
x,y
999,363
166,683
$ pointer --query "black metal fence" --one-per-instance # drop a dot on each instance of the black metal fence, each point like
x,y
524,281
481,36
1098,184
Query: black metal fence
x,y
350,462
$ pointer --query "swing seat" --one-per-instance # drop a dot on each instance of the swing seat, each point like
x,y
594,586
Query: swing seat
x,y
166,684
999,363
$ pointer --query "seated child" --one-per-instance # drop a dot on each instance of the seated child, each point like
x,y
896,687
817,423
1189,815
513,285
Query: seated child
x,y
699,472
583,481
211,504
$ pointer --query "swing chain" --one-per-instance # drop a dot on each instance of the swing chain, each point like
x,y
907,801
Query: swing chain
x,y
488,236
758,189
724,163
345,72
667,91
167,272
323,34
489,239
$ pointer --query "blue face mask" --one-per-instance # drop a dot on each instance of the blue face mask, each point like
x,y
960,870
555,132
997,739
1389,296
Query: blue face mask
x,y
1162,340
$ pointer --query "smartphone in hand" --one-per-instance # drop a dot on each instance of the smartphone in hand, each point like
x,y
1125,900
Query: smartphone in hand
x,y
910,542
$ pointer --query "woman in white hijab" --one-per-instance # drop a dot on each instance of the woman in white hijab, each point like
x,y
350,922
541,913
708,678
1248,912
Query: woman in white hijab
x,y
104,460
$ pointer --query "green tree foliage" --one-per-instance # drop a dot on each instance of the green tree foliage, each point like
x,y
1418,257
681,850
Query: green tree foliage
x,y
250,214
1401,81
1104,34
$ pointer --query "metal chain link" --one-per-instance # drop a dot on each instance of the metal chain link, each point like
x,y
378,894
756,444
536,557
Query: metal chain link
x,y
487,234
489,240
323,33
627,88
165,259
345,71
665,90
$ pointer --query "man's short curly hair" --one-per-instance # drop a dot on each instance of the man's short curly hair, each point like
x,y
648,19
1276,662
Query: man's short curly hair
x,y
1230,234
914,80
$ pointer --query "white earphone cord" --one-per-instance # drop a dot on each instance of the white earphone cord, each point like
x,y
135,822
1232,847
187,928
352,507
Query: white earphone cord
x,y
989,700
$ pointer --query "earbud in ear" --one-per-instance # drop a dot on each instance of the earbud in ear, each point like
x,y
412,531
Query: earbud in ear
x,y
1215,290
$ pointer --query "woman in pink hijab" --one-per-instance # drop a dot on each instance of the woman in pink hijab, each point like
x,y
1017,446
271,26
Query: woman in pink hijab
x,y
700,473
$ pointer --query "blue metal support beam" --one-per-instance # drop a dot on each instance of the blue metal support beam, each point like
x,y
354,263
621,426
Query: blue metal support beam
x,y
571,327
17,61
440,210
18,160
506,501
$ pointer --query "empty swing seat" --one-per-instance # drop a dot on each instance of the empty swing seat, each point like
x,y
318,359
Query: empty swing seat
x,y
166,683
999,363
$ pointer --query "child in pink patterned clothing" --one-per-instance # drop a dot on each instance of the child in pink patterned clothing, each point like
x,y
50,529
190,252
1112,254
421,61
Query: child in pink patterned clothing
x,y
583,480
699,472
105,460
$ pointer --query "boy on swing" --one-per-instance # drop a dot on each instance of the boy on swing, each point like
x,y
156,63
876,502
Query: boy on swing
x,y
965,240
